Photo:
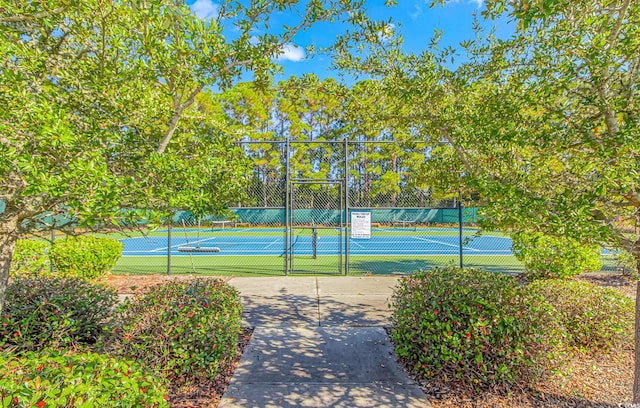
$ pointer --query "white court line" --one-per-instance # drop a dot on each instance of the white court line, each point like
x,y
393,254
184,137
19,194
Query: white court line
x,y
142,254
180,245
444,243
385,230
355,243
221,253
253,243
277,241
426,251
148,238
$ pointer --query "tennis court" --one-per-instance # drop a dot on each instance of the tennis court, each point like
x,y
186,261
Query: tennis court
x,y
261,251
270,242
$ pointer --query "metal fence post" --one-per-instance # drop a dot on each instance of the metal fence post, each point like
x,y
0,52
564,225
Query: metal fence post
x,y
169,248
53,238
460,230
287,209
346,206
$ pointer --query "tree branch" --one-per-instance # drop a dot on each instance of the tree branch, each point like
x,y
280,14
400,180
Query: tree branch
x,y
22,18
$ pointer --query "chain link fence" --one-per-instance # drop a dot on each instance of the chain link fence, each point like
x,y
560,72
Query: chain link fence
x,y
298,218
327,207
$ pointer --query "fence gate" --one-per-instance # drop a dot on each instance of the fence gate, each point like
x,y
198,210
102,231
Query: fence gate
x,y
316,227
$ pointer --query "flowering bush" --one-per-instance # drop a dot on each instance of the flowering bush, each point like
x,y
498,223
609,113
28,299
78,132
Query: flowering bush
x,y
595,318
55,379
55,312
547,257
472,325
85,256
182,327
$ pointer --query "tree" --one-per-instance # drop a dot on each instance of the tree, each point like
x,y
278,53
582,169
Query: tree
x,y
98,120
313,112
543,126
557,127
387,164
251,110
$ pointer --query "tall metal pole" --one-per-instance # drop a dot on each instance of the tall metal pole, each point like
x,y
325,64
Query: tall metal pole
x,y
346,206
460,229
53,238
341,190
287,209
169,248
292,209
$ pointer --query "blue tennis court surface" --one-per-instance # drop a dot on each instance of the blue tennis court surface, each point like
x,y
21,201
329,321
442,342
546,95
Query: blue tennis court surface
x,y
243,245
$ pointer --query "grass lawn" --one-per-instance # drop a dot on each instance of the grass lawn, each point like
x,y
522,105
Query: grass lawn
x,y
274,266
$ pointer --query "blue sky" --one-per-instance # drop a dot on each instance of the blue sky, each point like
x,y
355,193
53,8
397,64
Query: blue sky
x,y
415,20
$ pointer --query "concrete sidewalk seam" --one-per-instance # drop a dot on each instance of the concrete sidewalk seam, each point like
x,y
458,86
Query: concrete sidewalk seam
x,y
318,299
382,383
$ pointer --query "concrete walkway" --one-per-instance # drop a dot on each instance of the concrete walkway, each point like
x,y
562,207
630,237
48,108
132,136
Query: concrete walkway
x,y
319,342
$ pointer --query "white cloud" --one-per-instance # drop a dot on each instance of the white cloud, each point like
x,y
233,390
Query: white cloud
x,y
205,9
387,32
478,3
291,52
417,11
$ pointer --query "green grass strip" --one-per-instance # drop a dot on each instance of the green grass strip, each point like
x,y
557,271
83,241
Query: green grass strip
x,y
274,266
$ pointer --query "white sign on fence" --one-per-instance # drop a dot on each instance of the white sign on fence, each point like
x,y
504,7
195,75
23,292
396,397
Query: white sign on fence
x,y
361,225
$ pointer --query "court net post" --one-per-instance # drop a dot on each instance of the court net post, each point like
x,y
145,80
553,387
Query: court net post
x,y
314,240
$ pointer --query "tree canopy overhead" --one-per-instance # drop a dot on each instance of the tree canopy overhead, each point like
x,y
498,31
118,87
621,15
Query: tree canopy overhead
x,y
542,126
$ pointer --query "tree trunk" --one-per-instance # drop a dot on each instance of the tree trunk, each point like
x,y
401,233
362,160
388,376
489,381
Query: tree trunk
x,y
394,168
367,185
636,376
264,186
8,239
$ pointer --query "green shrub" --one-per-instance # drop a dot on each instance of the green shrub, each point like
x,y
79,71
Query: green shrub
x,y
626,263
30,258
85,256
80,380
547,257
182,327
594,317
472,325
54,312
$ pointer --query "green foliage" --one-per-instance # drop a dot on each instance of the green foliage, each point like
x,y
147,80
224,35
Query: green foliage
x,y
55,312
541,155
78,380
30,258
85,256
472,325
72,158
595,318
548,257
182,328
90,132
627,264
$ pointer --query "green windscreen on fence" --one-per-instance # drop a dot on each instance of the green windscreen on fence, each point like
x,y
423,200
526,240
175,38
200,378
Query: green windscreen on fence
x,y
421,215
276,216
